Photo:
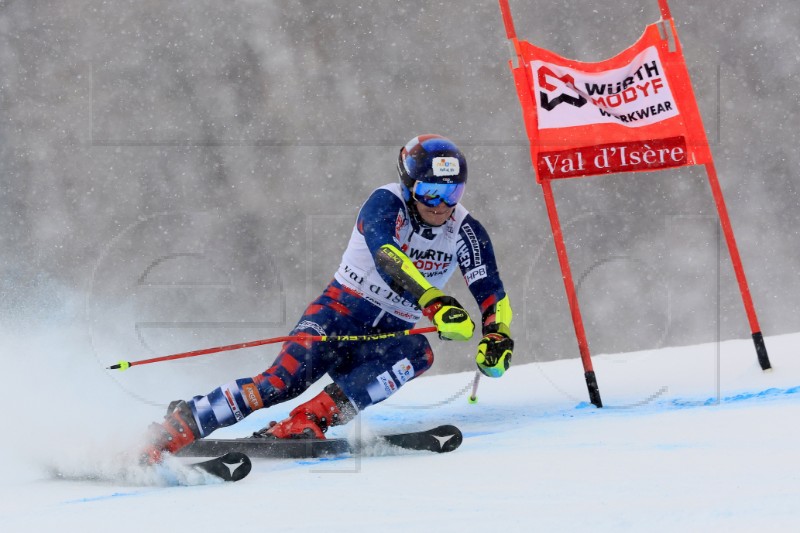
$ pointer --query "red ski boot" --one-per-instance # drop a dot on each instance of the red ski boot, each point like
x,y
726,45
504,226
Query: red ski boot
x,y
177,431
312,419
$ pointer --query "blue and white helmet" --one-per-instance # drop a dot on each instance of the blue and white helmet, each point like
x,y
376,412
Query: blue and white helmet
x,y
432,170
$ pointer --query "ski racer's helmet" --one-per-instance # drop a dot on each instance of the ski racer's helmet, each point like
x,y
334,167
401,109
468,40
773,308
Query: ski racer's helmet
x,y
432,170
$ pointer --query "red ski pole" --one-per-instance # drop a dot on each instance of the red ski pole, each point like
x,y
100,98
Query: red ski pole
x,y
124,365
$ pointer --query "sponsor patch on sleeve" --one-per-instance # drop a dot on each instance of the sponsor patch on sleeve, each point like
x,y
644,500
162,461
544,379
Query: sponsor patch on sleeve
x,y
474,243
475,274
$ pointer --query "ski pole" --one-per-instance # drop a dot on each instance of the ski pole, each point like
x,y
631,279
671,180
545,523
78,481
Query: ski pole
x,y
473,398
302,337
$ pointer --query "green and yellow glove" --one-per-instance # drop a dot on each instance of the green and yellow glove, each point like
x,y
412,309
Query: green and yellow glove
x,y
449,316
494,351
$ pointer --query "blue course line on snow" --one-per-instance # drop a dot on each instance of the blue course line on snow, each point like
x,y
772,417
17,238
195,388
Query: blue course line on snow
x,y
470,434
743,396
320,460
767,393
682,403
104,497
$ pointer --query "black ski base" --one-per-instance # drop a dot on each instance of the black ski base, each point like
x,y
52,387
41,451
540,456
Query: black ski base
x,y
232,466
441,439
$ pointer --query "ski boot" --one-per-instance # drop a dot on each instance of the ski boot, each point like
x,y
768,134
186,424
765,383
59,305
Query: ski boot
x,y
310,420
178,430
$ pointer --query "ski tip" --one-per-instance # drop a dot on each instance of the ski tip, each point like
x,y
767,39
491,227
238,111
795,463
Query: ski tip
x,y
240,461
233,466
440,439
449,438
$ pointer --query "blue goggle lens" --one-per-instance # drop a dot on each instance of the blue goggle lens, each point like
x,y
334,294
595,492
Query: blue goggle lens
x,y
433,194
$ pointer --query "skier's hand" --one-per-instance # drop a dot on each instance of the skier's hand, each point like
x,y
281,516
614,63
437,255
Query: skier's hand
x,y
449,317
494,354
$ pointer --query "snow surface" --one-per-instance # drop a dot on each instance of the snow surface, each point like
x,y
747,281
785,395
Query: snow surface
x,y
691,439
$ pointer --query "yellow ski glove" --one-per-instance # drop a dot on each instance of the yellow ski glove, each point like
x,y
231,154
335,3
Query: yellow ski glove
x,y
494,353
449,316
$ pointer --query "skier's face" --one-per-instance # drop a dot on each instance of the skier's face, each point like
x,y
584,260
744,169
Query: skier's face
x,y
435,216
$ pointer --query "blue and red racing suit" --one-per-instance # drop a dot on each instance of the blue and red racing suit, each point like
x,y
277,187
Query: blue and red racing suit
x,y
362,300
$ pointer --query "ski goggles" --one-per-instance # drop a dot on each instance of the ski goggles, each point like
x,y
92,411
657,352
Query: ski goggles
x,y
433,194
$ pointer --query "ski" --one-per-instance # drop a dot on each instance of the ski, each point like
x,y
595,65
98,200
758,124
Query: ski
x,y
232,466
441,439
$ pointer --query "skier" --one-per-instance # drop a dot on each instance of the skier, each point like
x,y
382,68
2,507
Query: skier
x,y
406,243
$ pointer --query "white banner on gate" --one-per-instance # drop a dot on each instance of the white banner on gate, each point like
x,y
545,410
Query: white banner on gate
x,y
635,95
